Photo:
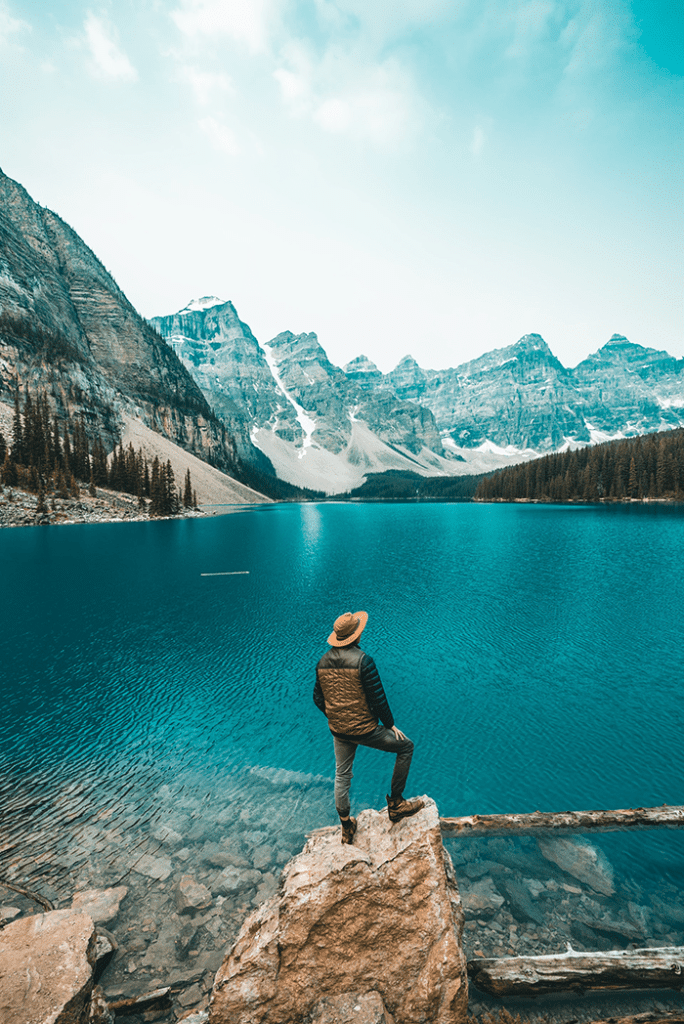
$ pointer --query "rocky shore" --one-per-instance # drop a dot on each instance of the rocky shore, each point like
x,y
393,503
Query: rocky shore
x,y
170,893
20,508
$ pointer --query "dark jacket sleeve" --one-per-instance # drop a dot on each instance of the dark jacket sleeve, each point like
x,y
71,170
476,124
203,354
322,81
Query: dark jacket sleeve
x,y
318,698
375,694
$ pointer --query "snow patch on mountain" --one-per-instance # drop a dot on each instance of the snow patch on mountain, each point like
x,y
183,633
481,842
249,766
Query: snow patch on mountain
x,y
366,453
199,305
307,424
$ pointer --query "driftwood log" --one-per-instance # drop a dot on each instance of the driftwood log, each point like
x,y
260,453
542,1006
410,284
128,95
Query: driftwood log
x,y
673,1017
579,821
574,971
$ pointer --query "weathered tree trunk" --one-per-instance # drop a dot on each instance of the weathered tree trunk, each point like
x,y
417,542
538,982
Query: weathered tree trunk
x,y
674,1017
616,969
579,821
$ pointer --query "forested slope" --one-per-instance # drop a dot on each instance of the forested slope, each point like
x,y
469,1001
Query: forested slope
x,y
649,466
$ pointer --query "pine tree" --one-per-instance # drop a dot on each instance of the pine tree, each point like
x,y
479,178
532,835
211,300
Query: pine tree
x,y
41,506
633,482
17,434
9,474
156,499
171,506
187,492
57,456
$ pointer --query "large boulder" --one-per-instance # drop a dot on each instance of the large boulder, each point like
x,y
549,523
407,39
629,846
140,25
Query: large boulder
x,y
382,915
46,969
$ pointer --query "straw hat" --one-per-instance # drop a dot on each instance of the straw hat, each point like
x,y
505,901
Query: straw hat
x,y
347,629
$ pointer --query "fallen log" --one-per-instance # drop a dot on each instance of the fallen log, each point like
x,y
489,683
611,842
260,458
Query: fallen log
x,y
159,1000
575,971
579,821
673,1017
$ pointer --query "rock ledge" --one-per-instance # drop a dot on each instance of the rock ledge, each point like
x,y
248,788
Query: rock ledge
x,y
380,916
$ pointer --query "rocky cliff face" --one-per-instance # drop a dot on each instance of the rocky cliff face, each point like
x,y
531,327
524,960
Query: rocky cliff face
x,y
316,424
382,916
631,389
66,328
520,395
225,359
524,397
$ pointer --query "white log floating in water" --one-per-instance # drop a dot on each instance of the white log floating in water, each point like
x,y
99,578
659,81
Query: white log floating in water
x,y
564,972
578,821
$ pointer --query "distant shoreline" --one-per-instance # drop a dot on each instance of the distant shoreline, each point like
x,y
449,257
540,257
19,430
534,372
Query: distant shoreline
x,y
19,508
116,507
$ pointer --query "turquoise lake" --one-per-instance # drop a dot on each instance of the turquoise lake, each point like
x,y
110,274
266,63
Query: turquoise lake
x,y
533,653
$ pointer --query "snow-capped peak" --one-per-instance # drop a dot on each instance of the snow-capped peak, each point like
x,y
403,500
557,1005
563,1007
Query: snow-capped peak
x,y
199,305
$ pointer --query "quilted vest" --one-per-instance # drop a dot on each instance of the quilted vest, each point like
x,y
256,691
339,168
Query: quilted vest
x,y
346,707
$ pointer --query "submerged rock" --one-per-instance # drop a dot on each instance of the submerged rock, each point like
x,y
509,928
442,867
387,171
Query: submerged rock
x,y
191,895
154,867
382,915
100,904
522,904
46,968
582,860
481,899
234,880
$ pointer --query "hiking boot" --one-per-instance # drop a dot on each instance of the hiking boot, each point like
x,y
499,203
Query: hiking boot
x,y
348,831
399,808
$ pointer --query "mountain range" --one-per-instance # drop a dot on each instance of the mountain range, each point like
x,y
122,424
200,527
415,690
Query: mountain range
x,y
200,381
327,427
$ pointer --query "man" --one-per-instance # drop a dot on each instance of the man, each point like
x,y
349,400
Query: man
x,y
349,693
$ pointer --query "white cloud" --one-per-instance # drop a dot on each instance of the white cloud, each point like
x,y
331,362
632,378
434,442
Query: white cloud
x,y
247,21
9,26
478,140
345,93
220,136
206,85
107,59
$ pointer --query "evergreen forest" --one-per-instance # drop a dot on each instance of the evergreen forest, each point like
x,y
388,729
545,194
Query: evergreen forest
x,y
401,485
644,467
56,458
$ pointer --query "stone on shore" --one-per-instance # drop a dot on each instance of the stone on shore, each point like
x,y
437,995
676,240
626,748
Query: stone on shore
x,y
382,915
100,904
46,969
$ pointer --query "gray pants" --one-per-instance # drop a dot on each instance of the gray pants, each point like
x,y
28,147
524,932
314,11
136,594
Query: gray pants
x,y
380,739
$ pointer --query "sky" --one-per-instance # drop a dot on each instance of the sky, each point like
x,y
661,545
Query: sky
x,y
426,177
